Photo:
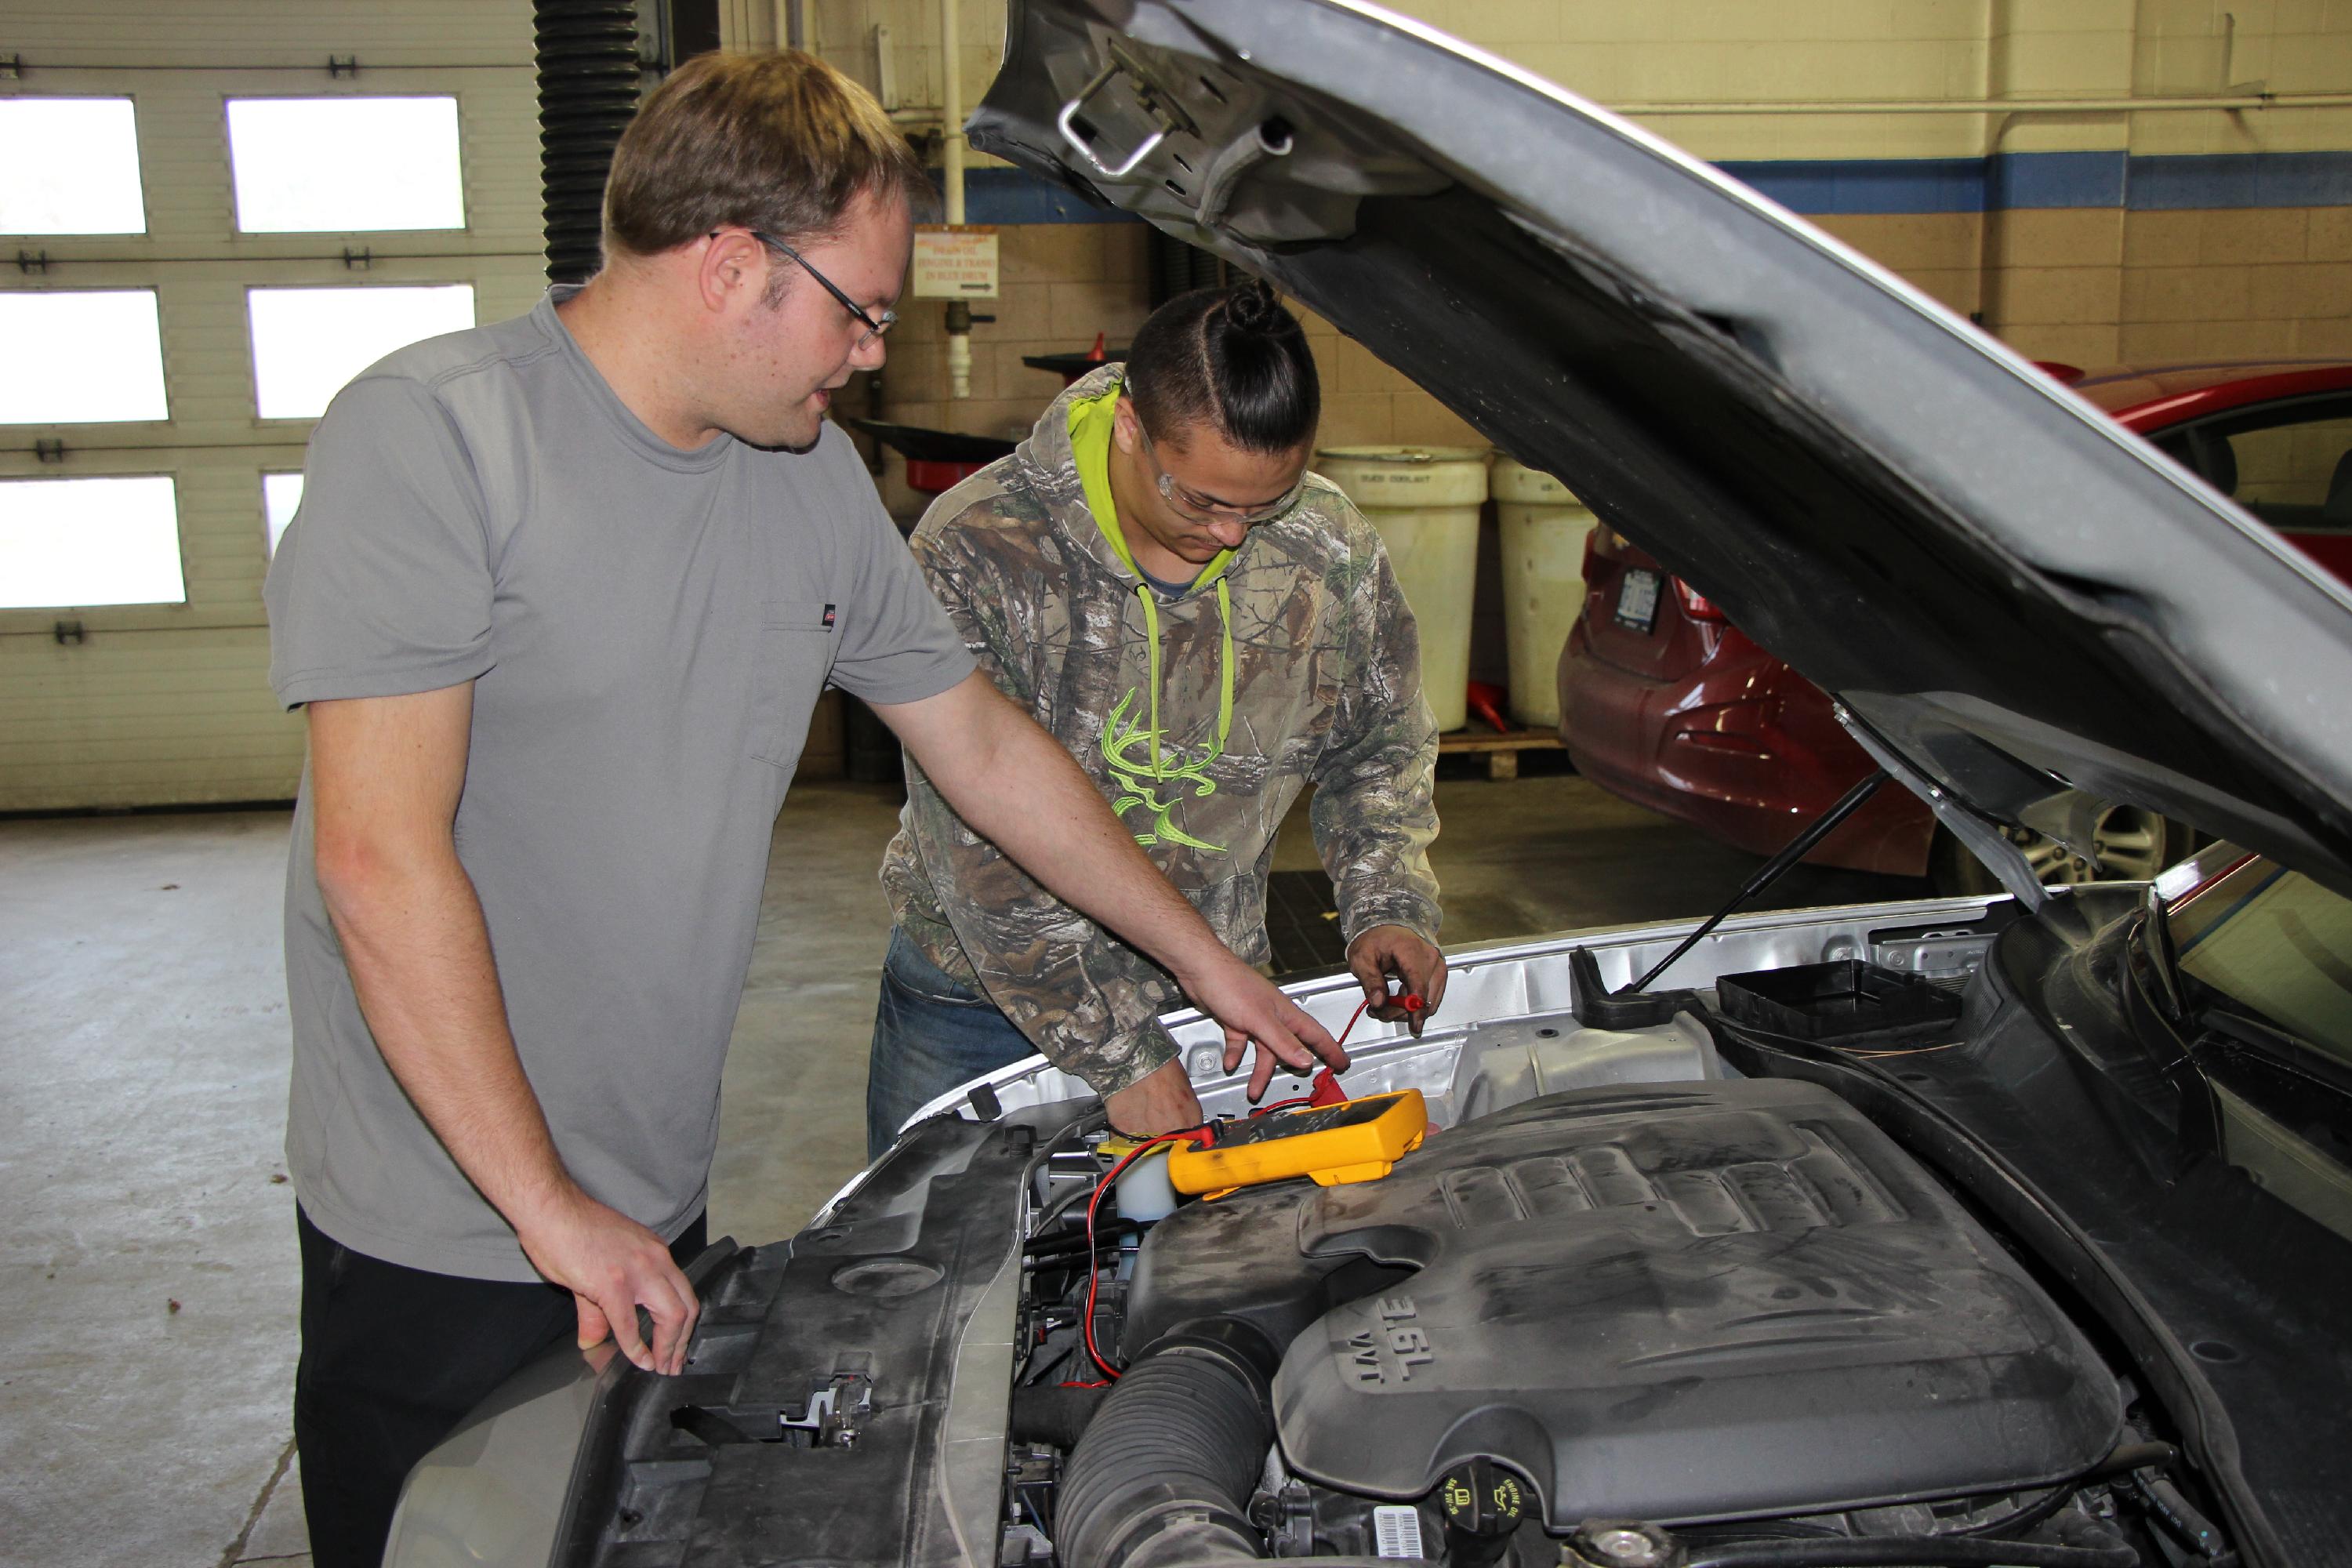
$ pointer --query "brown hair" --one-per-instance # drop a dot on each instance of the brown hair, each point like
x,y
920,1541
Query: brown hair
x,y
781,143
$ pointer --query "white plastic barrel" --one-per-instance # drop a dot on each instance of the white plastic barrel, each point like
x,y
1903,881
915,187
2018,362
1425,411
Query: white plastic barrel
x,y
1544,529
1424,500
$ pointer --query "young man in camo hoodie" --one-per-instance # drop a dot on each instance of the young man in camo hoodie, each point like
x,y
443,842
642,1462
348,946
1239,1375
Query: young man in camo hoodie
x,y
1209,628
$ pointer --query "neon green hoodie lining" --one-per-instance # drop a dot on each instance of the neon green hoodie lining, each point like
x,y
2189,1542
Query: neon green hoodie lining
x,y
1092,420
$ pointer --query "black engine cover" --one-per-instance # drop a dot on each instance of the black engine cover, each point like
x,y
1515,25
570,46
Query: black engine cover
x,y
1676,1303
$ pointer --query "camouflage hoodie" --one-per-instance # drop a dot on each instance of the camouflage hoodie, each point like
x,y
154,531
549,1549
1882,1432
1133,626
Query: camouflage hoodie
x,y
1325,688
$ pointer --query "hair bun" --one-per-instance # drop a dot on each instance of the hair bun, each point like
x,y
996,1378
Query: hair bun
x,y
1253,307
1230,360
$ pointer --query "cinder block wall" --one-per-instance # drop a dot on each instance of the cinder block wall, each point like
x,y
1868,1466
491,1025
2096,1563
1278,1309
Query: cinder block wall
x,y
2090,238
1062,283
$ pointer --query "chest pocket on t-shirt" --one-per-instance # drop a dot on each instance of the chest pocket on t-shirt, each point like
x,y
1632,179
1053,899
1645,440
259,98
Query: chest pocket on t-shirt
x,y
796,650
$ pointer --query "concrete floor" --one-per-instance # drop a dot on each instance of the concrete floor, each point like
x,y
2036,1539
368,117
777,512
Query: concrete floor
x,y
148,1282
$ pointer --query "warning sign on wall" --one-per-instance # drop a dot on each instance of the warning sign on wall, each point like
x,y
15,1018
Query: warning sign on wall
x,y
955,263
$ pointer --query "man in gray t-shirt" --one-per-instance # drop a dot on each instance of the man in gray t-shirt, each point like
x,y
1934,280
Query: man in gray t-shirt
x,y
645,631
560,597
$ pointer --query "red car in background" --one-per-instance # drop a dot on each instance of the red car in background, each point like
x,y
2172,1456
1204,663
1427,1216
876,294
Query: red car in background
x,y
1666,703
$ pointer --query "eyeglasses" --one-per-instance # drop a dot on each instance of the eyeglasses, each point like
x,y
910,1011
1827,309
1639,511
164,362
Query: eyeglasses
x,y
1194,506
874,328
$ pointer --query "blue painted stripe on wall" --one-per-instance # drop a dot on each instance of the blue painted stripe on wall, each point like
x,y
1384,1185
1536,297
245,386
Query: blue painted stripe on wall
x,y
2023,180
2011,181
1820,186
1016,196
1867,184
2242,180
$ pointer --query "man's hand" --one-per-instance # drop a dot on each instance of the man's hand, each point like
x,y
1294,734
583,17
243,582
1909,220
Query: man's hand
x,y
1385,950
1254,1011
612,1265
1162,1100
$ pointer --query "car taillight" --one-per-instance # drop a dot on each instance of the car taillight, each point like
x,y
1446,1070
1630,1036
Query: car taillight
x,y
1695,604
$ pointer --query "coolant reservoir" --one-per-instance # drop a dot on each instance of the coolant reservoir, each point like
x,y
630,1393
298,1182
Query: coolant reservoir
x,y
1142,1189
1514,1059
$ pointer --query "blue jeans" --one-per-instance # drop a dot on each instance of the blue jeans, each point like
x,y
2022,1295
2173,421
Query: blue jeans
x,y
931,1032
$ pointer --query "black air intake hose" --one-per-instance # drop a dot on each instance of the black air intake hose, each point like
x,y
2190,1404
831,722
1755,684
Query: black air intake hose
x,y
1166,1468
1055,1416
1909,1551
587,52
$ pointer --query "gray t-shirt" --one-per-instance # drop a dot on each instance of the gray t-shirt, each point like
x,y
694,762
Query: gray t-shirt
x,y
646,630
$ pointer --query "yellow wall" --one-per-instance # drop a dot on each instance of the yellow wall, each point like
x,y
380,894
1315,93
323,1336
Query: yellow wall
x,y
2089,287
1691,53
2253,282
1062,283
2088,284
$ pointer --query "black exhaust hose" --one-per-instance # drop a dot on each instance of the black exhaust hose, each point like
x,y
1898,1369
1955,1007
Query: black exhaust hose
x,y
1166,1468
586,51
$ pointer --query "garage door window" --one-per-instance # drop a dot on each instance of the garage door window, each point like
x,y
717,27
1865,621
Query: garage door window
x,y
68,543
308,342
72,166
338,165
281,496
81,356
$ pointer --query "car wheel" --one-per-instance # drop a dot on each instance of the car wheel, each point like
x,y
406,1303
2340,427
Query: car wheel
x,y
2132,844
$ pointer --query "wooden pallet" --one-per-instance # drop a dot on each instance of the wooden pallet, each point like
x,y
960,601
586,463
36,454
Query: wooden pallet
x,y
1501,750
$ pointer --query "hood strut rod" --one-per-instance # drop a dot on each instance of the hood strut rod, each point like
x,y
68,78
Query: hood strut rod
x,y
1769,872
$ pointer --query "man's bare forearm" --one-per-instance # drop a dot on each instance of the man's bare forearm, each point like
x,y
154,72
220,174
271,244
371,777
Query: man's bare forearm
x,y
385,776
419,956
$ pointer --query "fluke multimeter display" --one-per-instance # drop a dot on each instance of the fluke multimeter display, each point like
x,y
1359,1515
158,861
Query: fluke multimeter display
x,y
1357,1140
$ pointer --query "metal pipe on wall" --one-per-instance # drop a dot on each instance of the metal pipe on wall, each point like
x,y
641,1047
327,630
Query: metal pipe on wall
x,y
951,160
1997,105
952,106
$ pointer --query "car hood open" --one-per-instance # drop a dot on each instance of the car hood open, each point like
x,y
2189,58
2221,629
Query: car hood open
x,y
2016,603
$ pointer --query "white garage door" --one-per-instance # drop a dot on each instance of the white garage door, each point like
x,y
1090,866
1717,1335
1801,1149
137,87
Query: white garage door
x,y
211,214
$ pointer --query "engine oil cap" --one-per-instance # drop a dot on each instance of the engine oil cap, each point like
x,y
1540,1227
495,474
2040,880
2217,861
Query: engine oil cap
x,y
1483,1503
1482,1497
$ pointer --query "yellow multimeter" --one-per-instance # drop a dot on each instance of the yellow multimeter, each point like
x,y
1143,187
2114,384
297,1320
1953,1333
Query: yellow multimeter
x,y
1355,1141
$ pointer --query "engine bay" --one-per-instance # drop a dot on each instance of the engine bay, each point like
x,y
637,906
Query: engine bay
x,y
1817,1264
1672,1314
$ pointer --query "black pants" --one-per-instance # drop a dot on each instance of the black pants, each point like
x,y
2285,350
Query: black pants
x,y
393,1359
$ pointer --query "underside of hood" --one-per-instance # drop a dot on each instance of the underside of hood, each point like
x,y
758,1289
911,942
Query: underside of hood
x,y
2013,599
